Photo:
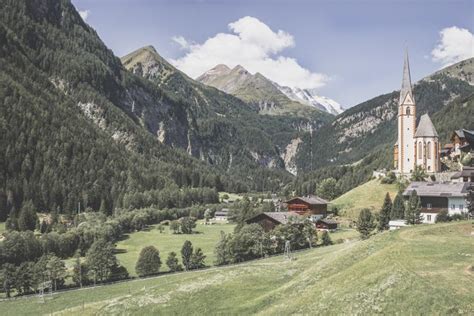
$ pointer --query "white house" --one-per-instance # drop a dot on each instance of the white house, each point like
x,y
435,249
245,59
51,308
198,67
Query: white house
x,y
437,196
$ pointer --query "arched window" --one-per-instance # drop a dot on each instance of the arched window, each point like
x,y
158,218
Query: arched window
x,y
408,110
420,150
428,151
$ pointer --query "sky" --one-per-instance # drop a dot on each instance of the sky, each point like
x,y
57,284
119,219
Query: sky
x,y
347,50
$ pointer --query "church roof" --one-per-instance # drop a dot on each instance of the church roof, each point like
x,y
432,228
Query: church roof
x,y
406,81
425,127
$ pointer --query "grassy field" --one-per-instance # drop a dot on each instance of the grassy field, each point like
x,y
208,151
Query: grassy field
x,y
206,237
421,270
368,195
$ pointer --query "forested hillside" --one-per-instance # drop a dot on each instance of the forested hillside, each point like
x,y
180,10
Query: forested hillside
x,y
75,124
229,133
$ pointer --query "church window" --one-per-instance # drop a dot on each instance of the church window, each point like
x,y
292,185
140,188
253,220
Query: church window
x,y
420,150
428,151
408,111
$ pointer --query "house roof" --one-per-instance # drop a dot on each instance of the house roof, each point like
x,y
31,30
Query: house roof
x,y
312,199
465,172
221,213
425,127
280,217
438,189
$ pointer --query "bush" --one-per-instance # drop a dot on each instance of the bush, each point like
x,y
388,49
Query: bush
x,y
442,216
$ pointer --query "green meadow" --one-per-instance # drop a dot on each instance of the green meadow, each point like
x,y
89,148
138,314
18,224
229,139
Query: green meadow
x,y
205,237
368,195
422,270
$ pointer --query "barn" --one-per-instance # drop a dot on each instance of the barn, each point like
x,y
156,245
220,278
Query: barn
x,y
269,220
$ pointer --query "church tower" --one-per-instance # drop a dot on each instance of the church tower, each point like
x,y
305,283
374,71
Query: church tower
x,y
405,147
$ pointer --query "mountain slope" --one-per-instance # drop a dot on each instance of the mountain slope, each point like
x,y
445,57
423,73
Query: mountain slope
x,y
425,269
311,97
77,127
371,125
255,89
230,132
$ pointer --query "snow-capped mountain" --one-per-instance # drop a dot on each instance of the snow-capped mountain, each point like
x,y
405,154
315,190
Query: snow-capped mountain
x,y
310,97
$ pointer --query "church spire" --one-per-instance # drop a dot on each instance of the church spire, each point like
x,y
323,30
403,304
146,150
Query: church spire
x,y
406,81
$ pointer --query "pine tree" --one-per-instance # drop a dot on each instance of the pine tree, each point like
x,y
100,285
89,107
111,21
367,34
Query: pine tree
x,y
384,215
28,218
149,262
186,254
172,262
197,259
326,239
365,223
412,212
398,207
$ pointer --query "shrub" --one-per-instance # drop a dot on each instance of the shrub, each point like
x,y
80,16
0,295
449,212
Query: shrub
x,y
442,216
149,262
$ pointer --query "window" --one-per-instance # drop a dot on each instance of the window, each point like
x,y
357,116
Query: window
x,y
428,206
428,218
453,207
428,151
408,111
420,150
461,207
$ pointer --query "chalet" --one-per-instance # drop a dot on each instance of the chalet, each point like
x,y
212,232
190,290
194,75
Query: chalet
x,y
463,141
222,215
269,220
437,196
326,224
308,205
465,175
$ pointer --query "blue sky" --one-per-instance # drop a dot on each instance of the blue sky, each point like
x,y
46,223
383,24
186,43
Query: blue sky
x,y
348,50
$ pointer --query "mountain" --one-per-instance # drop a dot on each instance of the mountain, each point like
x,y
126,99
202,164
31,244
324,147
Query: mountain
x,y
463,70
257,90
229,132
310,97
77,128
371,126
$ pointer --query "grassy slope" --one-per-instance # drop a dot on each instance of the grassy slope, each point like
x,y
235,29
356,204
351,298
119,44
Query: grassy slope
x,y
368,195
421,270
206,238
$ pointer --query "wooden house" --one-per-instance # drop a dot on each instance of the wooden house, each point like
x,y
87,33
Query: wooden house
x,y
269,220
326,224
437,196
309,205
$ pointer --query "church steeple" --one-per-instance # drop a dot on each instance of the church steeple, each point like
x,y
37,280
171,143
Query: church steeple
x,y
406,82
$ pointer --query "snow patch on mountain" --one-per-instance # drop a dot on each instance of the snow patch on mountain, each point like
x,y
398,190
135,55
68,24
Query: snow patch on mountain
x,y
310,97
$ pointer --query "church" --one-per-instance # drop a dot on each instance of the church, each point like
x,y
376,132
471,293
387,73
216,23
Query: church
x,y
416,145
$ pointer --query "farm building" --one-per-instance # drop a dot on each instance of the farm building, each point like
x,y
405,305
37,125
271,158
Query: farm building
x,y
222,215
465,175
308,205
437,196
269,220
326,224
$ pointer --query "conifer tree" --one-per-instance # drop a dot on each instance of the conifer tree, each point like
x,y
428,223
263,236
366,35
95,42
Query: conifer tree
x,y
384,215
365,223
413,209
186,254
326,239
398,207
172,262
27,218
197,259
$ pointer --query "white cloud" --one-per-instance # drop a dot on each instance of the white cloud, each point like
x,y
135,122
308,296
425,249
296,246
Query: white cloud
x,y
84,14
252,44
455,44
181,41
